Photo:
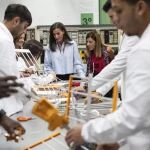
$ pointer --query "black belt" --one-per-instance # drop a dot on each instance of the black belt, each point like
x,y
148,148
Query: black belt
x,y
63,76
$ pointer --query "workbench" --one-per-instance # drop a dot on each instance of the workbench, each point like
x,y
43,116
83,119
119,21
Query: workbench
x,y
36,130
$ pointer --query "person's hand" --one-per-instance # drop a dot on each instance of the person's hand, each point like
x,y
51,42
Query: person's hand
x,y
24,74
114,146
96,98
110,52
30,71
109,49
27,73
73,137
7,86
80,89
13,128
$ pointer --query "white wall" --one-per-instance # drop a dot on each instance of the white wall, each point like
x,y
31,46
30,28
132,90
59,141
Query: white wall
x,y
3,5
46,12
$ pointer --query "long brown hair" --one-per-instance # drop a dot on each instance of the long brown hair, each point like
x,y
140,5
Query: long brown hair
x,y
98,43
35,47
52,41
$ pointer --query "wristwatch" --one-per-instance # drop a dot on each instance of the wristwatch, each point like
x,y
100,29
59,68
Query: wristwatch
x,y
2,113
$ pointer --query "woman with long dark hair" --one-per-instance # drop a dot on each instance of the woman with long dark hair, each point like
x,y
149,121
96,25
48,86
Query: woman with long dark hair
x,y
62,57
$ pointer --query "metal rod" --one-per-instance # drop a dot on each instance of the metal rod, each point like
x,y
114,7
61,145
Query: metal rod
x,y
89,96
76,119
46,144
25,59
85,94
32,63
36,63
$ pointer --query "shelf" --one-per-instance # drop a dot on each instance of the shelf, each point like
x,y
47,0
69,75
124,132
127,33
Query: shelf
x,y
81,46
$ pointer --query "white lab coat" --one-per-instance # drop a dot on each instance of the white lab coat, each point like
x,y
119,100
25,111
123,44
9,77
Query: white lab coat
x,y
131,120
113,71
8,66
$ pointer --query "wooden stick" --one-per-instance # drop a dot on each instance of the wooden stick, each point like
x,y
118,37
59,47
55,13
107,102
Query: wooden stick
x,y
69,96
115,97
42,141
89,98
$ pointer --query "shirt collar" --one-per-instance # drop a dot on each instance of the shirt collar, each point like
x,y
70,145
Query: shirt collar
x,y
146,32
71,42
5,29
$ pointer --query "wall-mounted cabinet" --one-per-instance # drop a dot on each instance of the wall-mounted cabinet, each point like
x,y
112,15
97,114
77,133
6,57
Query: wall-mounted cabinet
x,y
30,34
109,34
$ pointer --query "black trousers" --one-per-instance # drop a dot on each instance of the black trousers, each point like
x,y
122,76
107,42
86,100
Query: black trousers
x,y
110,93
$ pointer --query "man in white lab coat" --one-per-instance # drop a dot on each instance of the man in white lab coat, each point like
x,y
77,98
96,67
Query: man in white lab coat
x,y
16,20
118,64
131,120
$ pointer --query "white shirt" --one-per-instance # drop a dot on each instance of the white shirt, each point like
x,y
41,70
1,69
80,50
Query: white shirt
x,y
132,119
115,68
66,61
8,66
